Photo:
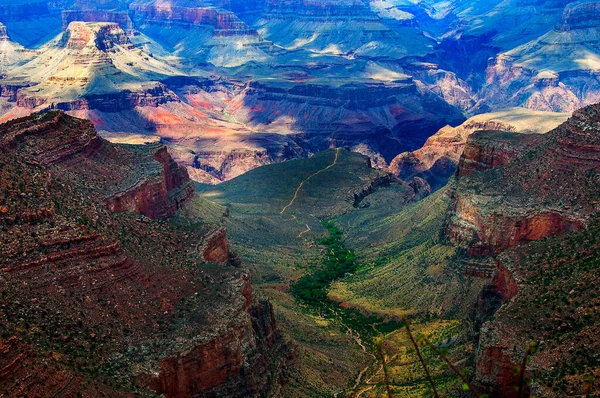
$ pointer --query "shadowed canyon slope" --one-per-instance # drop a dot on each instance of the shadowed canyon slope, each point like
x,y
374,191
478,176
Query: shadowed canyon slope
x,y
92,273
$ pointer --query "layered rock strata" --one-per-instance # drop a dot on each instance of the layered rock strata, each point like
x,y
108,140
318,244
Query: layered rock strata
x,y
515,197
101,303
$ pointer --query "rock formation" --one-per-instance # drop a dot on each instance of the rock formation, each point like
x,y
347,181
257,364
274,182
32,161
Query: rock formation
x,y
339,27
438,159
201,34
11,54
102,303
375,116
515,196
557,71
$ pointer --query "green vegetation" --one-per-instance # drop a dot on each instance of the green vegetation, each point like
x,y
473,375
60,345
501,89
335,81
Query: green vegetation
x,y
387,255
408,269
339,261
280,249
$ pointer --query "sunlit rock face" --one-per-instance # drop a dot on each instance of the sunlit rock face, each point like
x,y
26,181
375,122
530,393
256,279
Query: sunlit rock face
x,y
91,66
339,27
521,200
200,33
278,104
87,59
557,71
11,54
504,178
438,159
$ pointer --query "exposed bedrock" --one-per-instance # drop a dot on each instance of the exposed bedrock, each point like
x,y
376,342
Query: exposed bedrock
x,y
154,95
438,159
216,247
384,119
491,234
121,18
511,84
156,197
236,364
69,266
512,192
291,9
580,14
224,23
555,72
480,220
485,151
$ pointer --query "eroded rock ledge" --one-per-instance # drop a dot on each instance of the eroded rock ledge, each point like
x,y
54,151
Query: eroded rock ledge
x,y
116,304
512,194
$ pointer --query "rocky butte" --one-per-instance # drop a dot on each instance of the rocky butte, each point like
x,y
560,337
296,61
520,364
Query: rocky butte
x,y
102,293
438,159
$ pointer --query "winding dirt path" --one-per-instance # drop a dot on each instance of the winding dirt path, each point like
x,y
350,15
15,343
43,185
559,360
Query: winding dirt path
x,y
337,153
304,232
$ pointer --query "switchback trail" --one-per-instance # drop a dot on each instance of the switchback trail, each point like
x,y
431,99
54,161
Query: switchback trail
x,y
303,232
337,153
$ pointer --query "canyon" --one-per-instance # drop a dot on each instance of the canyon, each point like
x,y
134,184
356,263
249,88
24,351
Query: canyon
x,y
85,223
231,198
231,86
506,232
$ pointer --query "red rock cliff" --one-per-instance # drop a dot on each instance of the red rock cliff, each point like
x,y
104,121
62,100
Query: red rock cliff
x,y
155,197
511,194
91,296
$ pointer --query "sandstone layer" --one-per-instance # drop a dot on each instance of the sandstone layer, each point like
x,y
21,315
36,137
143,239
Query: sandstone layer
x,y
518,201
98,298
438,159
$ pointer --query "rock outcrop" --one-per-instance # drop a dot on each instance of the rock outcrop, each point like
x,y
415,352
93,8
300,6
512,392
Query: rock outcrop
x,y
515,195
490,224
201,33
157,196
438,159
216,247
556,72
11,55
222,366
113,64
549,294
340,27
369,118
101,303
91,66
224,23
